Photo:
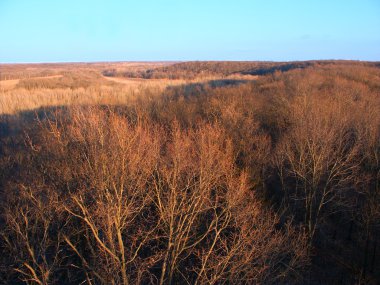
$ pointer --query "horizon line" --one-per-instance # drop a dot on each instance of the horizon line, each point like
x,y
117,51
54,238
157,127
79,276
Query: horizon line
x,y
179,61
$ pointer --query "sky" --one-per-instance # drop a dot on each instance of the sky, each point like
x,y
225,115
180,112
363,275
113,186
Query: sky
x,y
179,30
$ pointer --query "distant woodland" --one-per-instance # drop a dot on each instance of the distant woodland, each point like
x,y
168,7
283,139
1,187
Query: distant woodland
x,y
190,173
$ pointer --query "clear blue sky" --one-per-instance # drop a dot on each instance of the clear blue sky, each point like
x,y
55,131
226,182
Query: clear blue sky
x,y
279,30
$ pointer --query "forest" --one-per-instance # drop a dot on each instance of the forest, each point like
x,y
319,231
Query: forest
x,y
190,173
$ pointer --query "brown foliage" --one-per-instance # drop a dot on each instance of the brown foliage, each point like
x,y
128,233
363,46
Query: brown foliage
x,y
237,182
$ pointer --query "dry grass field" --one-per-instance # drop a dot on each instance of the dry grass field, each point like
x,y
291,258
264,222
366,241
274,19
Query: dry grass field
x,y
28,87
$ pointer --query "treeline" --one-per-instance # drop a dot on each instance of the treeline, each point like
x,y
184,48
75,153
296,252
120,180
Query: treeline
x,y
70,80
204,69
268,182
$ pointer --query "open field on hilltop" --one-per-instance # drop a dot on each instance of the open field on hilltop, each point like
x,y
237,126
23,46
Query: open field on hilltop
x,y
28,87
42,85
12,83
21,71
190,173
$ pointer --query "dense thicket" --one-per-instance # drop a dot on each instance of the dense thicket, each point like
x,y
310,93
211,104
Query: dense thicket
x,y
274,181
203,69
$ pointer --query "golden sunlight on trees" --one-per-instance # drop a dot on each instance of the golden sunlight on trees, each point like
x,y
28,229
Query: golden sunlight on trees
x,y
247,173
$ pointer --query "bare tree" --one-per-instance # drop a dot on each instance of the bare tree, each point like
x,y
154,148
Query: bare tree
x,y
318,158
32,237
117,161
116,202
210,216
